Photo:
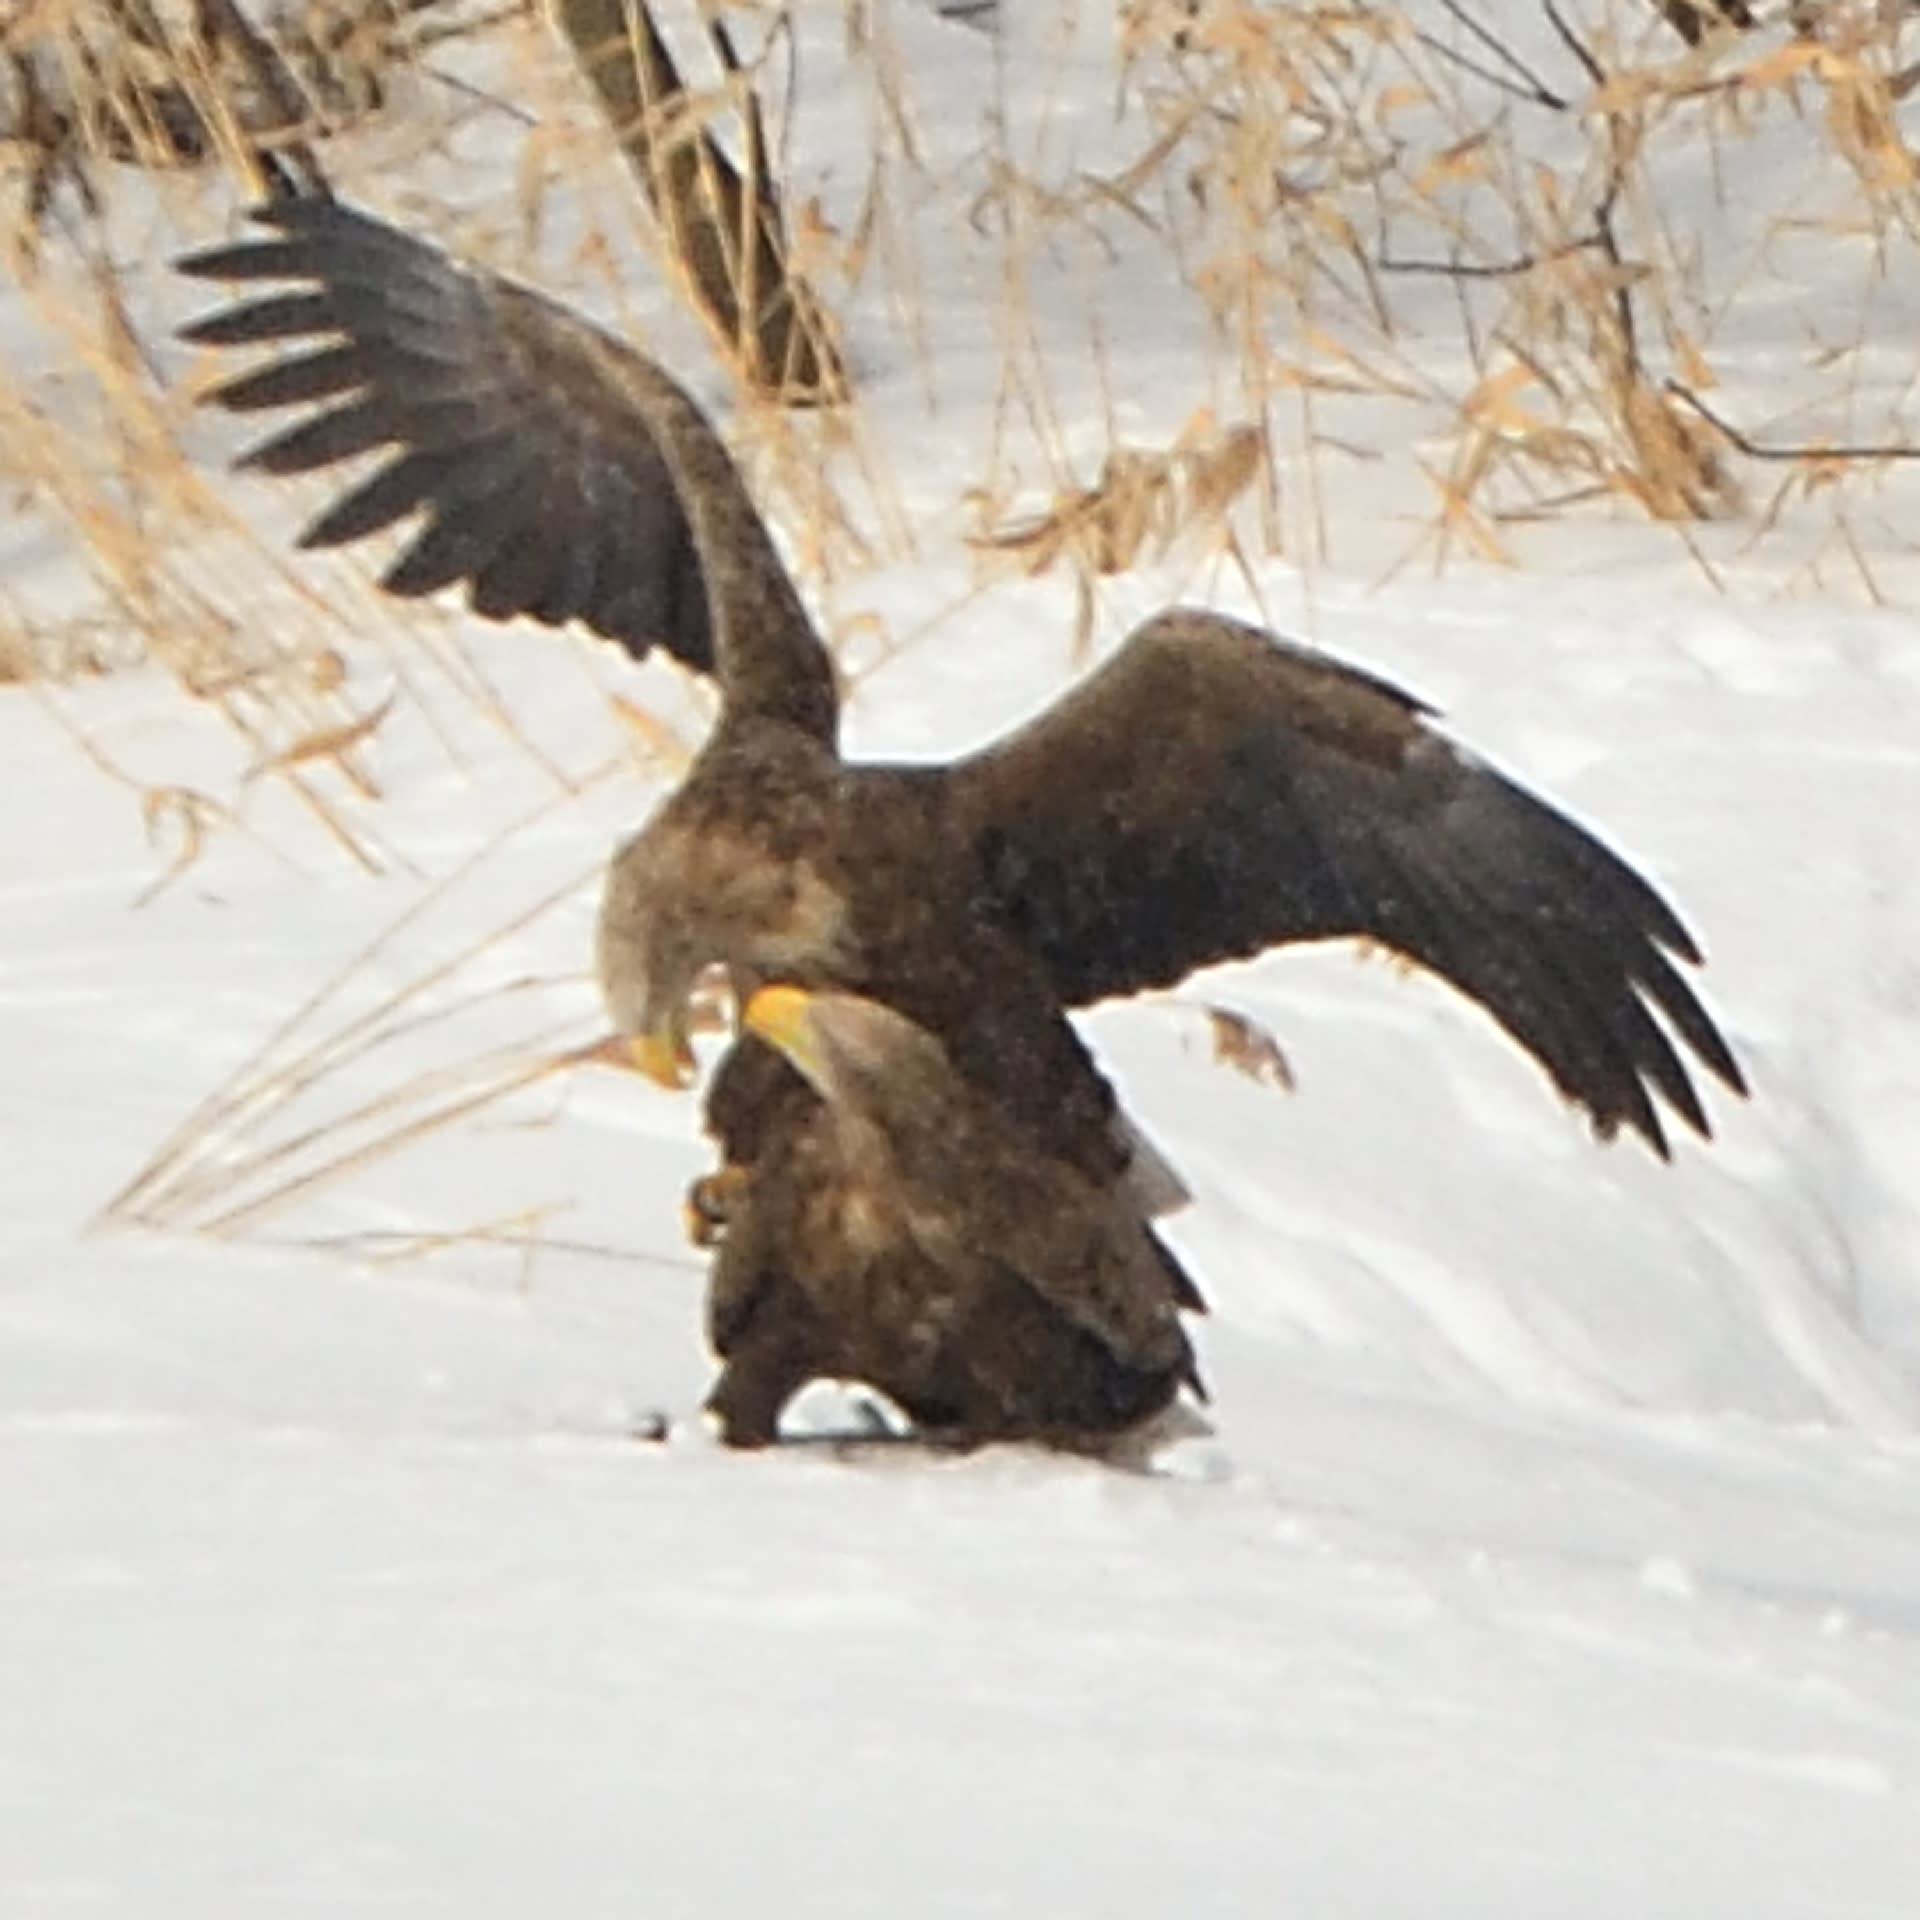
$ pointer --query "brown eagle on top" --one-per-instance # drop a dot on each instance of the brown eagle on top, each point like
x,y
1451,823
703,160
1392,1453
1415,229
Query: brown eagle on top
x,y
1210,791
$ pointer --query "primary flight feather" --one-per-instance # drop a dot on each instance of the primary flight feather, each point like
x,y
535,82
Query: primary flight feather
x,y
1210,791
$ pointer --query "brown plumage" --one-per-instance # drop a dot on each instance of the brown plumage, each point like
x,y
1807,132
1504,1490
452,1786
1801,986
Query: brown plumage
x,y
904,1232
1210,791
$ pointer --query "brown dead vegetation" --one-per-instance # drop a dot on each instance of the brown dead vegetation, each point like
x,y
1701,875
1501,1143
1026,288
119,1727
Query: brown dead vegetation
x,y
1308,175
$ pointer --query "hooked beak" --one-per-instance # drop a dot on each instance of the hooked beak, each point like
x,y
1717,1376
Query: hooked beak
x,y
780,1016
663,1053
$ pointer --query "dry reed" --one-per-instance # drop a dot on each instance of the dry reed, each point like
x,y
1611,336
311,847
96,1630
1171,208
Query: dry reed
x,y
1405,234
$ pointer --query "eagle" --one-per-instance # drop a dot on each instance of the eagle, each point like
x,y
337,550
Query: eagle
x,y
1208,792
907,1234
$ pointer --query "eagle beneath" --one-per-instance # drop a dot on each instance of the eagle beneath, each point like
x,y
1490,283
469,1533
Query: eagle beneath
x,y
907,1234
1210,791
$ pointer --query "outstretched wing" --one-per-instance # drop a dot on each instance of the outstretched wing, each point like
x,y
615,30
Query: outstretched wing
x,y
512,423
1213,791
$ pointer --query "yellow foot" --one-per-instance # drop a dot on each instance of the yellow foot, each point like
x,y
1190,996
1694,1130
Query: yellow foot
x,y
710,1202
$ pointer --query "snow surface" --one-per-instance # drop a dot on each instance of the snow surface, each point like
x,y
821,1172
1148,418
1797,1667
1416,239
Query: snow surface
x,y
1556,1551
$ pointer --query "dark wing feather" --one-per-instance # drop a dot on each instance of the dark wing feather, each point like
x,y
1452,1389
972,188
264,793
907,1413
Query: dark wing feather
x,y
512,431
1212,791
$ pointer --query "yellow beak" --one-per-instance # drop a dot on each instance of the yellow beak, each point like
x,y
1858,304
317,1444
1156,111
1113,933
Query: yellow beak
x,y
779,1016
665,1058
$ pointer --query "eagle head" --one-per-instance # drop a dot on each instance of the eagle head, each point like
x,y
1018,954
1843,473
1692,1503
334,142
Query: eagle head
x,y
686,894
853,1050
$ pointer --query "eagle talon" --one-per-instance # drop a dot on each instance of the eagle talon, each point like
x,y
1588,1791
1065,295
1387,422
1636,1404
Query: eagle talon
x,y
710,1203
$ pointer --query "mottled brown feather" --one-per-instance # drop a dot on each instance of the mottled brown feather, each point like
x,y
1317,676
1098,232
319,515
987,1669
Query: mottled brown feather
x,y
909,1233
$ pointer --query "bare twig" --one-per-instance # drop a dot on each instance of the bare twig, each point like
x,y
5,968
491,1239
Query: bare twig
x,y
1533,88
1609,241
1574,44
1488,270
1809,450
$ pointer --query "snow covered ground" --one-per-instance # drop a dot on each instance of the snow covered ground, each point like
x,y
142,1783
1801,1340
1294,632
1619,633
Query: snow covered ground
x,y
1556,1551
